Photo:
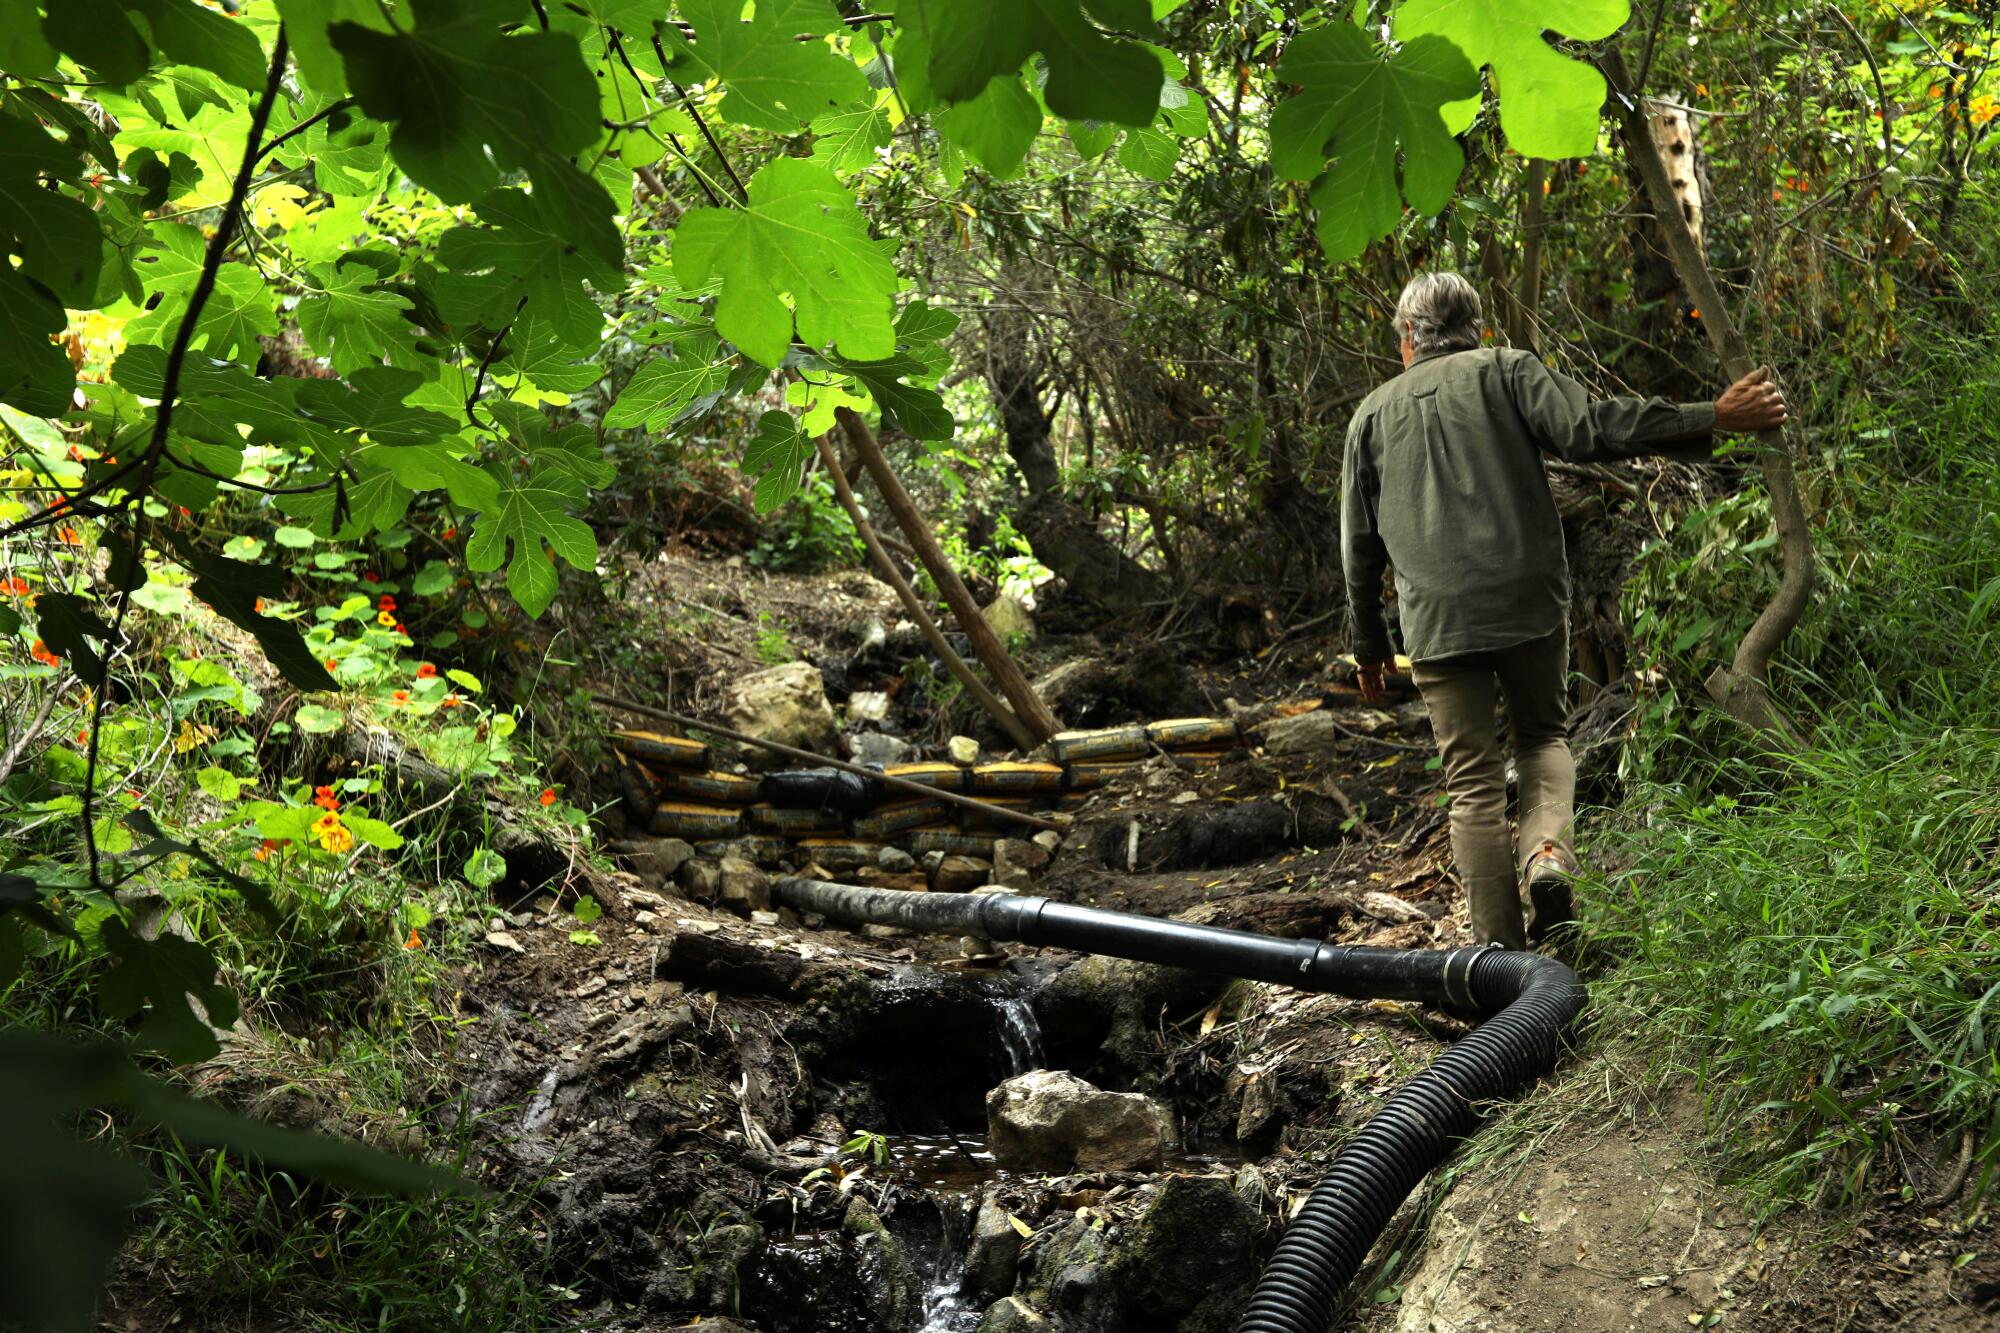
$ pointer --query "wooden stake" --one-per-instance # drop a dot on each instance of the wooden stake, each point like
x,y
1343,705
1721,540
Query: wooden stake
x,y
1742,688
914,605
1028,706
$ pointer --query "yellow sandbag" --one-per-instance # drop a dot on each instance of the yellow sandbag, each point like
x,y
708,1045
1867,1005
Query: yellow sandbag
x,y
1089,777
944,777
899,818
712,787
791,822
1017,778
1193,733
678,820
1111,743
656,748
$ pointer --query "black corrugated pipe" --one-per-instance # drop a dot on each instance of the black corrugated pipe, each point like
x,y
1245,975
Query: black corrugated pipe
x,y
1527,1002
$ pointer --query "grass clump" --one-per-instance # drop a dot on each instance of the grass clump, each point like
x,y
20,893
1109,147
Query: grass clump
x,y
1818,939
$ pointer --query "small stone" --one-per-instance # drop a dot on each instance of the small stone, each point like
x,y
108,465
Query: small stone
x,y
1413,718
867,706
1012,613
655,860
874,747
1011,1314
743,888
876,931
1015,862
646,920
702,879
993,1257
895,860
931,862
764,918
1048,840
960,874
962,750
500,939
1050,1120
1186,798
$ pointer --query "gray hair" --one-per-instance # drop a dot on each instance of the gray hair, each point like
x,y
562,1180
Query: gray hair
x,y
1440,312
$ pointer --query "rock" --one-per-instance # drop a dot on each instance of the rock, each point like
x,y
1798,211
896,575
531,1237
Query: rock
x,y
1073,688
647,920
895,860
1260,1115
1066,1276
1388,907
786,704
1015,863
1049,1120
867,706
501,939
1048,840
960,874
1011,1314
1188,1261
1413,719
873,747
1366,721
887,1279
1302,734
655,860
743,888
962,750
701,879
931,862
993,1256
1011,613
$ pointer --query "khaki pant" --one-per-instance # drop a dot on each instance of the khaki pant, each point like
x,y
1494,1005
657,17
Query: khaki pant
x,y
1459,693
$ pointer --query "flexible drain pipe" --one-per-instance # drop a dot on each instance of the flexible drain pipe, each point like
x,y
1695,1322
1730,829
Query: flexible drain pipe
x,y
1527,1002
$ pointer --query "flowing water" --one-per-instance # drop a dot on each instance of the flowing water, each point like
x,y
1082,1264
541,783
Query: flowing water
x,y
1020,1034
946,1309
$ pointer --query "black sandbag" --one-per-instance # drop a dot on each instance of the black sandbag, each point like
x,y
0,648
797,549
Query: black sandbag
x,y
820,789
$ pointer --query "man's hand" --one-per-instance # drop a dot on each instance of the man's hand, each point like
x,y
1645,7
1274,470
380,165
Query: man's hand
x,y
1370,678
1751,404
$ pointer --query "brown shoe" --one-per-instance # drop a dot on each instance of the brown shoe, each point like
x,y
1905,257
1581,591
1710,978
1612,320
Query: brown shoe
x,y
1551,891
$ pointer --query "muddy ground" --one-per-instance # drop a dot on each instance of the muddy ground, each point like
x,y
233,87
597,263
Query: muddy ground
x,y
695,1096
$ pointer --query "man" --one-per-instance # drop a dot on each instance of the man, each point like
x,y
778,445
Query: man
x,y
1444,481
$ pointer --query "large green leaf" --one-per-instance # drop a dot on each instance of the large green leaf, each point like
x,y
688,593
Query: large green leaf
x,y
997,128
470,101
237,313
35,375
355,319
775,456
1091,74
1360,109
155,977
306,22
55,236
774,80
1549,103
663,388
528,514
523,255
800,236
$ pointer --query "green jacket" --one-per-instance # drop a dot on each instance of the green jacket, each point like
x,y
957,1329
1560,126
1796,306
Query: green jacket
x,y
1444,480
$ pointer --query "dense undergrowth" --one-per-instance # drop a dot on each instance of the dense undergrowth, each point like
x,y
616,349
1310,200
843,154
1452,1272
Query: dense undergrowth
x,y
1817,937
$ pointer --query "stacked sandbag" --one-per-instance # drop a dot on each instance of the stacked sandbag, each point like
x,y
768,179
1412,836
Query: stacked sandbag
x,y
841,820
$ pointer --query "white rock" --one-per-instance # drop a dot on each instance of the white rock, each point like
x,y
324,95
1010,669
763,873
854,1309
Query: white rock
x,y
962,750
1050,1120
501,939
867,706
786,704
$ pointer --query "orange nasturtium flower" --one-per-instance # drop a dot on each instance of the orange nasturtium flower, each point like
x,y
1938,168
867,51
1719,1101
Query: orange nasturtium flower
x,y
332,834
400,697
451,533
415,941
450,701
69,536
40,652
425,671
331,665
324,798
548,796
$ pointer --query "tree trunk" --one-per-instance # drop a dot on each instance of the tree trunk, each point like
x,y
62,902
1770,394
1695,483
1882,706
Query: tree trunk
x,y
1742,688
914,605
1029,708
1064,537
1526,298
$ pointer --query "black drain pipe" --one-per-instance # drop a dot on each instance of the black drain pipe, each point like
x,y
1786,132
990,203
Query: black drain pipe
x,y
1527,1002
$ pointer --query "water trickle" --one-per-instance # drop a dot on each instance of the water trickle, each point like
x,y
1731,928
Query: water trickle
x,y
1020,1034
946,1309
